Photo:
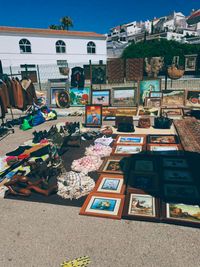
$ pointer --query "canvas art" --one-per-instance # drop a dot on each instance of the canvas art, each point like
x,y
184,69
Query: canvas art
x,y
93,115
163,149
101,97
109,111
175,163
124,97
193,98
162,139
152,102
111,165
79,96
173,98
130,140
142,205
148,111
148,86
171,175
183,212
126,149
98,74
110,184
171,112
190,63
54,94
103,205
126,112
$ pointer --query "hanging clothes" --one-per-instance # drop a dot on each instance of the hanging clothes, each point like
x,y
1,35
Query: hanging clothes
x,y
19,95
29,88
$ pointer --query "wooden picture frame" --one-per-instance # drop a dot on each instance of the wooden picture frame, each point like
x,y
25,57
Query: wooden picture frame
x,y
174,162
192,98
93,116
162,139
173,98
130,139
109,111
172,112
124,97
54,91
127,150
141,206
156,94
144,111
110,184
103,205
100,97
152,102
165,149
147,86
132,111
112,165
181,214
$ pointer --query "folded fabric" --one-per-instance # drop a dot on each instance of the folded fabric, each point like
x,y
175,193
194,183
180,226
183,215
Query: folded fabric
x,y
106,141
74,185
99,150
87,164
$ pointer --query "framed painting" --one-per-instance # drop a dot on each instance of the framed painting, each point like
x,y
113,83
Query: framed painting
x,y
156,94
140,206
110,183
148,86
93,115
79,96
127,149
177,176
190,62
170,149
109,111
126,112
173,98
142,111
103,205
180,163
112,165
143,163
183,192
149,182
181,214
124,97
192,98
130,139
162,139
100,97
152,102
98,74
109,118
172,112
54,95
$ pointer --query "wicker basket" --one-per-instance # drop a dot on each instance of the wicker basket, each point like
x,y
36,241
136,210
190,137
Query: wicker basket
x,y
175,73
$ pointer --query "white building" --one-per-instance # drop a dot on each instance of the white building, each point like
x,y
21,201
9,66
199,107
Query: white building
x,y
20,46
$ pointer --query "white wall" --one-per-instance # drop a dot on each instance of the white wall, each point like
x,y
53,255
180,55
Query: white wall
x,y
44,51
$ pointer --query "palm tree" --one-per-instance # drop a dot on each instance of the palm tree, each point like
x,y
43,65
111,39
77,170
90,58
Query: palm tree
x,y
66,23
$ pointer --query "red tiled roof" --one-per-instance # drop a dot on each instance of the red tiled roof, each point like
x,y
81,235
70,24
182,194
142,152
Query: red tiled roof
x,y
50,32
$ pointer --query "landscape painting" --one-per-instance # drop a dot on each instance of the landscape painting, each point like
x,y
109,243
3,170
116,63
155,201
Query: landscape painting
x,y
101,97
183,212
124,97
173,98
79,96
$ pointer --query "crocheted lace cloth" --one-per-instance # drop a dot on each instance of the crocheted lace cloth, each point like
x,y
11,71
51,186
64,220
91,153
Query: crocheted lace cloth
x,y
99,150
74,185
87,164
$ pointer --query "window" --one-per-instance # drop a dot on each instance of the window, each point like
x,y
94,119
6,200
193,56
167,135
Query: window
x,y
60,47
25,46
91,48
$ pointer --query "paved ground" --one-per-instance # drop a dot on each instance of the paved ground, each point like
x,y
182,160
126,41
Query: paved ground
x,y
44,235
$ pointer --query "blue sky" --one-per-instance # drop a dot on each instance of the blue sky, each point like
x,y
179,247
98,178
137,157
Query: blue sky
x,y
88,15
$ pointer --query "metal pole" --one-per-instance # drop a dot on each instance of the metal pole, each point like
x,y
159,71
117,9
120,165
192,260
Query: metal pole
x,y
39,81
90,62
1,68
11,72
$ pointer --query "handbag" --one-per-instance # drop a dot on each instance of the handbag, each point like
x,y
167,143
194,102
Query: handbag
x,y
124,124
144,123
162,122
